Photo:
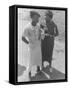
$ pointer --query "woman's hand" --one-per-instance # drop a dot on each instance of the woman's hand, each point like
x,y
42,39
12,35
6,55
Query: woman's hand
x,y
25,40
45,28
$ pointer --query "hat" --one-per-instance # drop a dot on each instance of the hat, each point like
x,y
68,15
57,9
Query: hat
x,y
49,13
32,13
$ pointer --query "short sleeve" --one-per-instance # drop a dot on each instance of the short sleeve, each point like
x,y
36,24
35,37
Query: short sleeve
x,y
27,30
25,33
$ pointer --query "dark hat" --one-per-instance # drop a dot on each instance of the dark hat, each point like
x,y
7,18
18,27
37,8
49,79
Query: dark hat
x,y
32,13
49,13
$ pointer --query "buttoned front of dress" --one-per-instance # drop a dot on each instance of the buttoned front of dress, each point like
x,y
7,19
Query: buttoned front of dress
x,y
32,33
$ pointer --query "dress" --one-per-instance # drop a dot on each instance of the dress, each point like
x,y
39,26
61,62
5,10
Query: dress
x,y
32,33
48,42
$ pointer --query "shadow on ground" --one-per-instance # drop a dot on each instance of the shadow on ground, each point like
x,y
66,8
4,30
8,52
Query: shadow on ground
x,y
21,69
54,75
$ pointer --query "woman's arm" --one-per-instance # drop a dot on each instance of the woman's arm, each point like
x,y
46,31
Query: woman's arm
x,y
25,34
25,40
56,31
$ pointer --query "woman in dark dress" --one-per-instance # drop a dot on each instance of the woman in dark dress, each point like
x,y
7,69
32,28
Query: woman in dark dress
x,y
48,41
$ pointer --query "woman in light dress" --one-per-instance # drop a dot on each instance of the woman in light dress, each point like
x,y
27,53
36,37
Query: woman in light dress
x,y
32,32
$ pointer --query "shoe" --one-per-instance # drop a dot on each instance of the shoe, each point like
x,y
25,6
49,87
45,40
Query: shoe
x,y
33,74
30,74
45,64
51,70
38,69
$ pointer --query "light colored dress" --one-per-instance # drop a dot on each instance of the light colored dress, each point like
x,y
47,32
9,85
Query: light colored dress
x,y
32,33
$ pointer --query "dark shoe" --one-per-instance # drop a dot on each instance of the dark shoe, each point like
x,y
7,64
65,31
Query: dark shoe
x,y
30,74
38,69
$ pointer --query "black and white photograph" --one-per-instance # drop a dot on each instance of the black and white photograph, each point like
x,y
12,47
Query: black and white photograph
x,y
34,45
41,45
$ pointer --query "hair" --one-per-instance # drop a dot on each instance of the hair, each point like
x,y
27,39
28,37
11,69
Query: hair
x,y
50,14
32,13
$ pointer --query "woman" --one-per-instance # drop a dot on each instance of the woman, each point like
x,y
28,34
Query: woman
x,y
32,32
48,42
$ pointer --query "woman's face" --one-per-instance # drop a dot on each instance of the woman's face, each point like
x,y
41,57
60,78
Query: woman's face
x,y
35,19
47,18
